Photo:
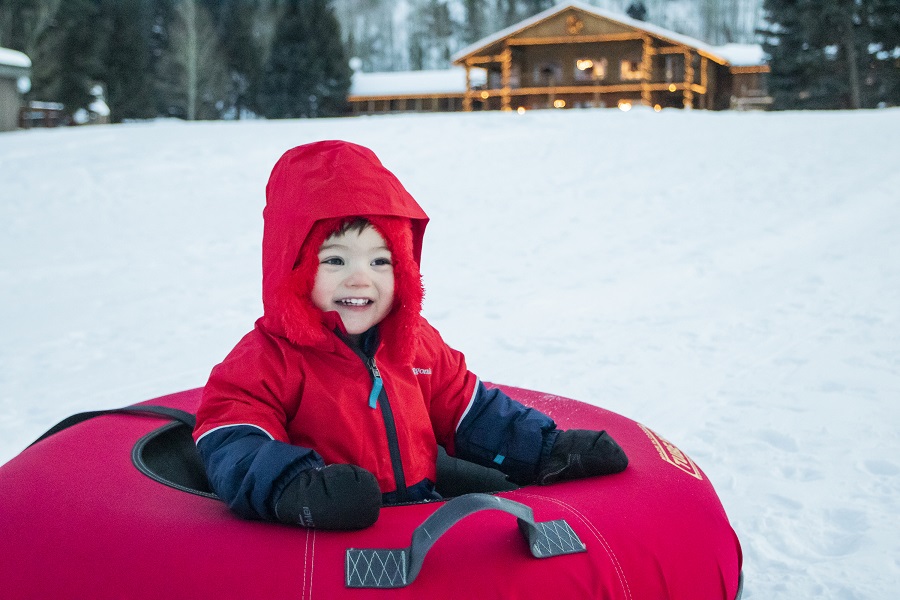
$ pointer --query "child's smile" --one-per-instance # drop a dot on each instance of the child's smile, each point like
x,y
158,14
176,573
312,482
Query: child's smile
x,y
355,301
355,278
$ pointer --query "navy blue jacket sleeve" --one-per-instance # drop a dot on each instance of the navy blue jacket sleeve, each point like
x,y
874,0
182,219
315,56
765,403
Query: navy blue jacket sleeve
x,y
501,433
249,470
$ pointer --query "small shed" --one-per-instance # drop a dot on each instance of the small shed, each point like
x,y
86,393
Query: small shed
x,y
15,80
578,55
749,76
440,90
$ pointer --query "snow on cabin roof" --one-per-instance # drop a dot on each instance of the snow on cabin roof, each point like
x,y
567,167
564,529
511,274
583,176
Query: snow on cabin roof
x,y
603,13
742,55
14,58
399,83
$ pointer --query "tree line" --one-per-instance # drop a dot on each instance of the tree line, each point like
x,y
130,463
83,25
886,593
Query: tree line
x,y
190,59
833,54
230,59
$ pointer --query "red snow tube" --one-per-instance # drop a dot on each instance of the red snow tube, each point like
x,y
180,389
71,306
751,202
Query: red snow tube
x,y
118,507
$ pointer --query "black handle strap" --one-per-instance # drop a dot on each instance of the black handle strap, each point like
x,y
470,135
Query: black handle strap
x,y
394,568
137,409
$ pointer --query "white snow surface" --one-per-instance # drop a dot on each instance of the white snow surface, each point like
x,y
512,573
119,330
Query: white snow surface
x,y
729,279
14,58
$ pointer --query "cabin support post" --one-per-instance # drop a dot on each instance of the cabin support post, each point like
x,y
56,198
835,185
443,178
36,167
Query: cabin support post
x,y
688,79
505,70
647,53
467,97
704,83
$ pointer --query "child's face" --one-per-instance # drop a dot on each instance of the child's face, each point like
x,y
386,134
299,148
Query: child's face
x,y
355,278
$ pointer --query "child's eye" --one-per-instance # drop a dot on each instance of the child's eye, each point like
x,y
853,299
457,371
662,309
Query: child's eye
x,y
333,260
378,262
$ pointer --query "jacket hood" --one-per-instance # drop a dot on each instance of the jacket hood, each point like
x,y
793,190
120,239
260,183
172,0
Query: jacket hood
x,y
312,191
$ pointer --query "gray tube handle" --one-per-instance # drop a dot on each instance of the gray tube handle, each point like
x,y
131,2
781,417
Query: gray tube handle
x,y
398,567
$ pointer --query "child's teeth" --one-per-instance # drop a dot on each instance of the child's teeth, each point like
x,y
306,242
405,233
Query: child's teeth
x,y
356,301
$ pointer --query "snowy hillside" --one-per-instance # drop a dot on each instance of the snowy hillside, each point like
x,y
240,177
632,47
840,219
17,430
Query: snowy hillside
x,y
731,280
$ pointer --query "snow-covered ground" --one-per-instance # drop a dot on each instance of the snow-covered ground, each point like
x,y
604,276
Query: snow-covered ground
x,y
731,280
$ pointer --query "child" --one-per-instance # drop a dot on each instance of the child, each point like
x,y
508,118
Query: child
x,y
337,400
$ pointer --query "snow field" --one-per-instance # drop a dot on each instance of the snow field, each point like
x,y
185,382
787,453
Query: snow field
x,y
728,279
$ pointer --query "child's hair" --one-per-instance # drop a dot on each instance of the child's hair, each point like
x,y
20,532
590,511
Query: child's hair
x,y
355,224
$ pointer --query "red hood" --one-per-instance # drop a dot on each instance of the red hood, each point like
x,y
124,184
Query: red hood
x,y
325,182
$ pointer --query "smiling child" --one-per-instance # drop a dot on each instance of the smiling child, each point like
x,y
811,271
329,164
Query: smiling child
x,y
336,402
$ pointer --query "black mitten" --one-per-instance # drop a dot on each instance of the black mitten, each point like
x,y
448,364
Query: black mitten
x,y
332,497
581,453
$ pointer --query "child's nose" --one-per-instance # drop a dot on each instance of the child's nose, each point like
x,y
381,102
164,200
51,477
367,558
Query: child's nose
x,y
357,278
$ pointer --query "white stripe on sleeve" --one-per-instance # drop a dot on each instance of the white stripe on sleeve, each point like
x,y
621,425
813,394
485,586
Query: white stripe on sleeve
x,y
471,402
271,437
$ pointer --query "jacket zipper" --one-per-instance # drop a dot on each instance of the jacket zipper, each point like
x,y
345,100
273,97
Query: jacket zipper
x,y
378,397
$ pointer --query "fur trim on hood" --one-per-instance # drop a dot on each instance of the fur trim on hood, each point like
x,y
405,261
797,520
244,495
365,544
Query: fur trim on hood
x,y
305,323
315,189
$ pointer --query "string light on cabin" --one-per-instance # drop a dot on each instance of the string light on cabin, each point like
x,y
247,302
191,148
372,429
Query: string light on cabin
x,y
521,110
672,87
657,107
485,95
584,64
559,103
624,105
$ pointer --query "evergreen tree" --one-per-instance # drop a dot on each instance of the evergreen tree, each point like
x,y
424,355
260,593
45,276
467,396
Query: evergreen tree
x,y
25,25
307,74
192,74
832,53
127,69
637,10
59,38
793,63
475,26
78,53
9,10
432,36
161,18
369,29
62,41
242,52
883,17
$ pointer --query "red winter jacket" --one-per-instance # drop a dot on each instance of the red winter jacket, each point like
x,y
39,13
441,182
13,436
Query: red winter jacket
x,y
292,395
294,379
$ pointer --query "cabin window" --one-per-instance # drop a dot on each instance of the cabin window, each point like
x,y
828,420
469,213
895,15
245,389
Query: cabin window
x,y
515,76
495,78
630,70
674,67
548,73
589,69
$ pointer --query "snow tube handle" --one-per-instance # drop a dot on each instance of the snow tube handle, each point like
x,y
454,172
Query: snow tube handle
x,y
395,568
174,414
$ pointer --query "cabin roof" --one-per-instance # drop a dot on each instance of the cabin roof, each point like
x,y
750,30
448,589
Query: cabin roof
x,y
742,55
720,54
439,81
